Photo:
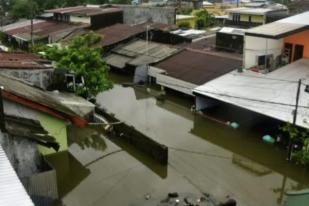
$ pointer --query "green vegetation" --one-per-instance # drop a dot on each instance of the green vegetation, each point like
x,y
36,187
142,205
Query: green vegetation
x,y
301,136
82,58
204,19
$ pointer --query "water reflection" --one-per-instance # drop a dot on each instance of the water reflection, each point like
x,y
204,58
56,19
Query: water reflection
x,y
70,172
203,157
88,137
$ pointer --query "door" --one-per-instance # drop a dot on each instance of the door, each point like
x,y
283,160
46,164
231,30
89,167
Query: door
x,y
288,51
298,52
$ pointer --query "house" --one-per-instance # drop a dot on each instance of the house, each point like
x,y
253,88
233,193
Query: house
x,y
95,15
44,110
230,39
28,67
190,68
275,69
44,31
254,14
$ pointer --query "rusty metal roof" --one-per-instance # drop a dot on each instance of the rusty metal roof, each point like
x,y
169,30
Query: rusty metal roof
x,y
198,67
84,10
121,32
12,191
41,28
19,60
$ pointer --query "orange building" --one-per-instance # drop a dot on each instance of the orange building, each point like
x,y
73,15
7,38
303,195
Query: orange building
x,y
298,45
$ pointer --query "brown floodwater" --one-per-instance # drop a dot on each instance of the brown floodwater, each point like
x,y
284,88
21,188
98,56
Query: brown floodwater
x,y
204,156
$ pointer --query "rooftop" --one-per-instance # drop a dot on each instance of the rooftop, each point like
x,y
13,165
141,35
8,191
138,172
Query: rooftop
x,y
231,30
12,190
272,94
41,28
256,11
84,10
62,103
120,32
139,53
197,67
18,60
282,28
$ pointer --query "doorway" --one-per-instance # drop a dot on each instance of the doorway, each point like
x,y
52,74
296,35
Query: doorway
x,y
298,52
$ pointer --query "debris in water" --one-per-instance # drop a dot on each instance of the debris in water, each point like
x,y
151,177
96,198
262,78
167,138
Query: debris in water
x,y
147,196
268,139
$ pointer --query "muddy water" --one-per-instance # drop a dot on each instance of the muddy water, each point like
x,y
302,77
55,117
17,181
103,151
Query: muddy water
x,y
204,156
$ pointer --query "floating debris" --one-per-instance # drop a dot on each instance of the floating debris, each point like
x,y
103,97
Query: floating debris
x,y
268,139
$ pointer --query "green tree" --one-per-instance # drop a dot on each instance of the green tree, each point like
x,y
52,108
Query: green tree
x,y
84,59
302,136
204,19
24,9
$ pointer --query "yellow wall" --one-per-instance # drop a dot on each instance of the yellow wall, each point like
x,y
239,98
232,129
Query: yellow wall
x,y
190,21
254,18
56,128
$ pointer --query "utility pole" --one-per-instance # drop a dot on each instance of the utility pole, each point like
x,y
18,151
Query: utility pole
x,y
31,22
290,149
2,118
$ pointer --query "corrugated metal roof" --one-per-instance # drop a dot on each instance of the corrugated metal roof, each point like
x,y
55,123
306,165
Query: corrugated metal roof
x,y
117,61
41,29
272,94
120,32
140,52
198,67
20,60
85,10
281,28
12,191
68,104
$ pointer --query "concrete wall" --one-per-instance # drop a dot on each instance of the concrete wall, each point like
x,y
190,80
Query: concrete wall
x,y
139,14
257,46
39,77
22,153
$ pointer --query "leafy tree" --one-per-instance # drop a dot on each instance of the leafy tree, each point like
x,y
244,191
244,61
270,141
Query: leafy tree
x,y
301,136
82,58
204,19
24,9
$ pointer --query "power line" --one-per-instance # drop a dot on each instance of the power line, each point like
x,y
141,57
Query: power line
x,y
233,96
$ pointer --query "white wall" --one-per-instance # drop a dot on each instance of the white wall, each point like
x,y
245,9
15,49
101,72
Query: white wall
x,y
256,46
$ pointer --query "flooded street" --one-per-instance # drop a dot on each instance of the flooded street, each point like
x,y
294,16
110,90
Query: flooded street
x,y
204,156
